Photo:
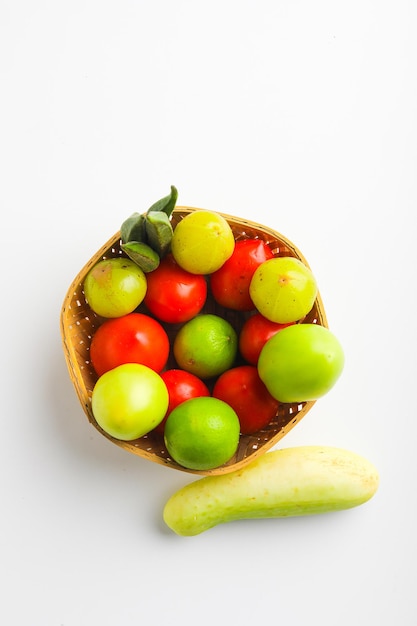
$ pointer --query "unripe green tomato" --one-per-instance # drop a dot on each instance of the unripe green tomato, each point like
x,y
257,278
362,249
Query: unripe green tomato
x,y
129,401
283,289
115,287
202,242
301,363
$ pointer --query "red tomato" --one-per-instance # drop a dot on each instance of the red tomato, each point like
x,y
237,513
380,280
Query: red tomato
x,y
181,386
245,392
174,295
230,284
254,334
132,338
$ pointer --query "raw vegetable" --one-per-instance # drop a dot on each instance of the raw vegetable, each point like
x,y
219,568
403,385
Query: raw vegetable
x,y
202,241
115,287
296,481
301,363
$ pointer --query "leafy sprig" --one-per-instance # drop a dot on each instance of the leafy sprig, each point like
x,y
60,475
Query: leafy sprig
x,y
146,237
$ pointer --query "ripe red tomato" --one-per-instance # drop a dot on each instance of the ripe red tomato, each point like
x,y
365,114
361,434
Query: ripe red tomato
x,y
132,338
254,334
230,283
181,386
174,295
245,392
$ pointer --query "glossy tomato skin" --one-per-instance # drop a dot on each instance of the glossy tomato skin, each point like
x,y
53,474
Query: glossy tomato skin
x,y
230,284
181,386
174,295
132,338
129,401
242,388
114,287
301,363
255,332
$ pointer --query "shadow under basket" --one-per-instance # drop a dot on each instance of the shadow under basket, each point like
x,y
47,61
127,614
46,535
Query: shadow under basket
x,y
78,324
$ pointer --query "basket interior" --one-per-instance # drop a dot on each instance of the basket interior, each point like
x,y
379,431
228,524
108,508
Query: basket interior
x,y
79,322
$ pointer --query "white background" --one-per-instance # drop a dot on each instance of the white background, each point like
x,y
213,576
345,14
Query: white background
x,y
300,115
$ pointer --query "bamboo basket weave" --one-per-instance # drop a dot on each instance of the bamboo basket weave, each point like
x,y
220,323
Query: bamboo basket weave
x,y
78,324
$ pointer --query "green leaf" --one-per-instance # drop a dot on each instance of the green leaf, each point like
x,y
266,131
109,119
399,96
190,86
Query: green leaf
x,y
166,204
159,231
142,254
133,228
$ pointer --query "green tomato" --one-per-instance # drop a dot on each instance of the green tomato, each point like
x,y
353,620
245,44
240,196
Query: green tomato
x,y
115,287
202,241
129,401
283,289
301,363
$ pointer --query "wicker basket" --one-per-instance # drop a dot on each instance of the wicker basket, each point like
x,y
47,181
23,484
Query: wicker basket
x,y
79,322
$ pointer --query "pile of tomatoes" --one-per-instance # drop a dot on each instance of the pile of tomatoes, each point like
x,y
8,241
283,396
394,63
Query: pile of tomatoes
x,y
214,317
175,296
